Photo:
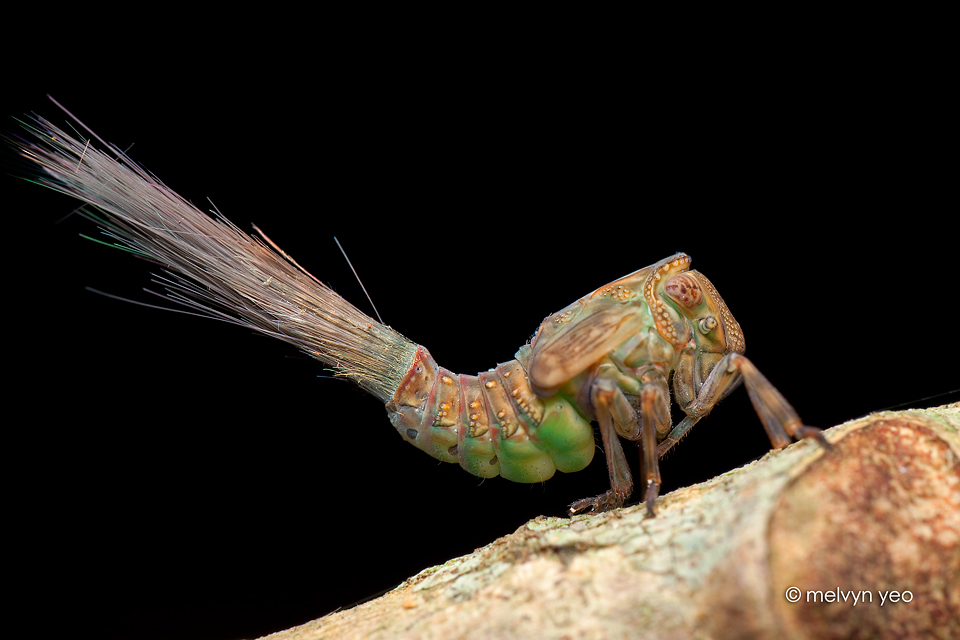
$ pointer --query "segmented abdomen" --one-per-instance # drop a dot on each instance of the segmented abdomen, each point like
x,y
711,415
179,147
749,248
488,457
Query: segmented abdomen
x,y
491,424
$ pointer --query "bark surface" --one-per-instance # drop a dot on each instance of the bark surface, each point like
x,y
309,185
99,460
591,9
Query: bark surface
x,y
847,529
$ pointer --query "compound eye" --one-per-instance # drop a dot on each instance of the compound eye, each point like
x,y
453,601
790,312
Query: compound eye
x,y
684,289
707,324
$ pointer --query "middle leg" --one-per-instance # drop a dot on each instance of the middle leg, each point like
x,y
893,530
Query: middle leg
x,y
655,412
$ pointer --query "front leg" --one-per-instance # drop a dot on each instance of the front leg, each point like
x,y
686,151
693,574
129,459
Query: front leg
x,y
779,418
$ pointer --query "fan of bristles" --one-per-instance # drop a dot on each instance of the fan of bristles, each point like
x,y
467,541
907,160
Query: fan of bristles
x,y
214,267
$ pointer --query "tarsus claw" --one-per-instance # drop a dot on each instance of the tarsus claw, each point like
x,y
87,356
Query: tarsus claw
x,y
597,504
816,434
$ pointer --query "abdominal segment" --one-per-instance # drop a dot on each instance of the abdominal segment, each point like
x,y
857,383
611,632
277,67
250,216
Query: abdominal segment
x,y
492,423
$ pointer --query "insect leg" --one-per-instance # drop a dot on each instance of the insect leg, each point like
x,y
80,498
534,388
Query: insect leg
x,y
676,435
655,410
779,418
775,412
614,414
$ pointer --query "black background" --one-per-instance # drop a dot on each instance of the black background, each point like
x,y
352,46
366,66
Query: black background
x,y
178,478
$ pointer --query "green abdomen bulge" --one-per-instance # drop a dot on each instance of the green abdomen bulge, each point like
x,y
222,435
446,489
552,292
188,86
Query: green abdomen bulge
x,y
491,424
